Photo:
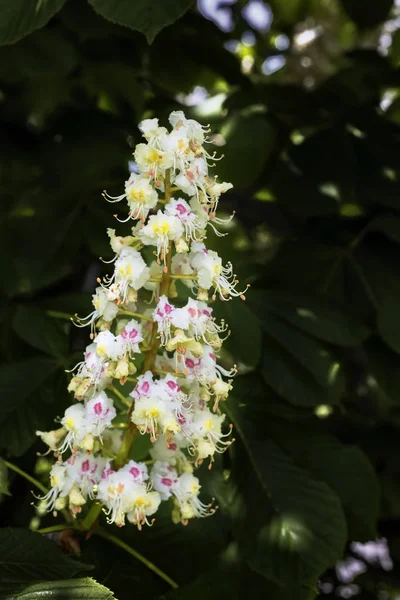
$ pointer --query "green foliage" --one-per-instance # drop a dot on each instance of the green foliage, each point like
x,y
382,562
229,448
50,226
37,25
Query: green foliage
x,y
3,478
144,16
28,557
73,589
20,18
313,151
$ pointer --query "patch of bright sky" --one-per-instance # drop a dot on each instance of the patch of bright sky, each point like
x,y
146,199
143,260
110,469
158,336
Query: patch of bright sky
x,y
258,15
272,64
218,12
282,42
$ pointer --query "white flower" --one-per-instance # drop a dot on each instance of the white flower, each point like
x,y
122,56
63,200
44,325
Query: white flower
x,y
193,178
180,208
141,196
194,130
162,315
153,161
102,308
74,421
117,242
99,413
159,231
138,471
186,491
207,426
123,496
130,338
211,273
163,477
166,450
151,130
106,346
130,272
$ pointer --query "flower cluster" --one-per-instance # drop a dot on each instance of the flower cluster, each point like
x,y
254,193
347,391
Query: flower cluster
x,y
145,338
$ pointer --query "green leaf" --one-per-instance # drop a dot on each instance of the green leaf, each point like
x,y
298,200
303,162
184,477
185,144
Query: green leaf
x,y
369,13
244,341
346,469
72,589
387,224
3,479
18,380
299,368
115,85
388,323
234,582
37,412
26,557
40,331
249,142
146,16
383,363
20,17
313,316
293,524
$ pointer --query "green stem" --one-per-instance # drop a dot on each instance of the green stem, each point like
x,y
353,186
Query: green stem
x,y
55,314
32,480
124,400
59,527
137,555
191,277
129,313
94,512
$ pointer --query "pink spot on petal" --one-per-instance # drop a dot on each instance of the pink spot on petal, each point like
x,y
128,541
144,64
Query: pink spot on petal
x,y
135,472
85,466
98,409
166,481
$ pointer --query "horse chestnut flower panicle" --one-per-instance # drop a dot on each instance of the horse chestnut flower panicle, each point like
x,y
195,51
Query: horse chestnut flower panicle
x,y
139,326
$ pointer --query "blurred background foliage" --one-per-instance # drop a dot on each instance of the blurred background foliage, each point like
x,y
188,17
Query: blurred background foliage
x,y
304,100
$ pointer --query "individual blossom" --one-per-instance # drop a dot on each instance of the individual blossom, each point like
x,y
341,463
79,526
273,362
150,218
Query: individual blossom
x,y
153,162
131,273
140,195
180,208
159,231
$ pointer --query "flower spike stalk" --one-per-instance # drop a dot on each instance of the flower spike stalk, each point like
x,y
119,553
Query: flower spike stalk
x,y
138,319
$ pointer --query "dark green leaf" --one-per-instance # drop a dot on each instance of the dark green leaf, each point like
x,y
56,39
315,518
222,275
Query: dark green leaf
x,y
72,589
314,316
249,140
369,13
234,582
40,331
245,340
19,380
388,322
295,526
299,368
346,470
146,16
3,479
26,557
20,17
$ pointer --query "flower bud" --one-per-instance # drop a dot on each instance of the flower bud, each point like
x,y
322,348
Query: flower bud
x,y
181,246
75,497
60,503
87,443
122,369
52,438
202,295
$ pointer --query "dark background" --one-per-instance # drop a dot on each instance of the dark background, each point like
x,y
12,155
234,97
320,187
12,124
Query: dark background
x,y
303,97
